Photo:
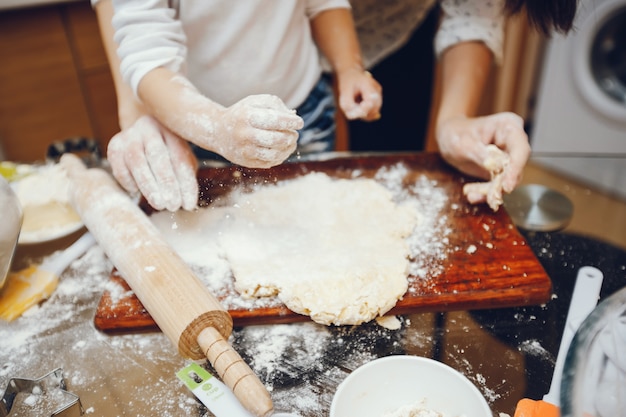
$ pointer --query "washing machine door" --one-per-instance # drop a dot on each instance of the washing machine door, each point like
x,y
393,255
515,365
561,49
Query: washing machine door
x,y
599,60
579,122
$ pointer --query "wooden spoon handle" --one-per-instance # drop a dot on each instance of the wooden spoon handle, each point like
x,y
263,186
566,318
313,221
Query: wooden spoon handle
x,y
235,373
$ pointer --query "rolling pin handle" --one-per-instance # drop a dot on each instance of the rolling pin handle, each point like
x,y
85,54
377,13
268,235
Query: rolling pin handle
x,y
235,373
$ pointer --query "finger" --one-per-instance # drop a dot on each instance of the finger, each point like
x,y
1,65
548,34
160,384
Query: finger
x,y
116,159
188,186
185,165
514,172
282,140
475,155
137,162
271,119
349,104
371,98
162,171
376,100
475,192
266,101
367,109
518,149
265,157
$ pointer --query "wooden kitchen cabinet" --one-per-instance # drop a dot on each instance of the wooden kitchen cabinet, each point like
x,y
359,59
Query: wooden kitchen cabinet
x,y
55,81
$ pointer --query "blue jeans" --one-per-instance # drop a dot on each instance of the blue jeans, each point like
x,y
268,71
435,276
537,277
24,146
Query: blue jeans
x,y
318,112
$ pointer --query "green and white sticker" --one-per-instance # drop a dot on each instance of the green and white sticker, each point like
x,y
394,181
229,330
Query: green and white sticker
x,y
212,392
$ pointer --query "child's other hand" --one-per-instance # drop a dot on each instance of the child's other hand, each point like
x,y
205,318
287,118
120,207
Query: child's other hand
x,y
360,95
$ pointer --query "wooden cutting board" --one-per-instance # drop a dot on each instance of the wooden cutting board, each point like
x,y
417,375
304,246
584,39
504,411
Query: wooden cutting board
x,y
502,271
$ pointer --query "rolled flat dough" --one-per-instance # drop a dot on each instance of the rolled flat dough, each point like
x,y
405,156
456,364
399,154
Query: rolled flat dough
x,y
333,249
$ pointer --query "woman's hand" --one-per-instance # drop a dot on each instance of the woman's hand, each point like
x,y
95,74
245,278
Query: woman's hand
x,y
464,143
147,157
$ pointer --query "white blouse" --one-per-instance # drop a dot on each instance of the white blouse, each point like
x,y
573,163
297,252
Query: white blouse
x,y
384,26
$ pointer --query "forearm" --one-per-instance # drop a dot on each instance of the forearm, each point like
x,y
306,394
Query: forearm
x,y
465,69
129,108
177,104
359,95
335,36
258,131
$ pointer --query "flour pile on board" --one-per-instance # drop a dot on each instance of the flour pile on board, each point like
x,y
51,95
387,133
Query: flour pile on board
x,y
337,250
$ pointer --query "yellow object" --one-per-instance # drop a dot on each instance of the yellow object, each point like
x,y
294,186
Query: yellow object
x,y
23,289
12,171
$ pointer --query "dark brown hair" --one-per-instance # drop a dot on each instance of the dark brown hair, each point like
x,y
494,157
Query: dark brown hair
x,y
546,15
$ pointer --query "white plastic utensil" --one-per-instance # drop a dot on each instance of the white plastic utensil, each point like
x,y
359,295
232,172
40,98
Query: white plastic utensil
x,y
584,300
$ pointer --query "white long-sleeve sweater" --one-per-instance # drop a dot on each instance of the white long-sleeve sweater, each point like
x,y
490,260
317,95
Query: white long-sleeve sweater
x,y
228,49
233,48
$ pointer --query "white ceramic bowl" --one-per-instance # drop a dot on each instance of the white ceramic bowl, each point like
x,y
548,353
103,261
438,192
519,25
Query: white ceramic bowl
x,y
386,384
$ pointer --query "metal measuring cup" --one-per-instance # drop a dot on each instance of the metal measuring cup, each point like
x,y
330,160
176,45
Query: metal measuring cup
x,y
10,225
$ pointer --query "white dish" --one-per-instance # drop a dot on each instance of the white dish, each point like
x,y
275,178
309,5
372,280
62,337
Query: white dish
x,y
387,384
48,234
44,197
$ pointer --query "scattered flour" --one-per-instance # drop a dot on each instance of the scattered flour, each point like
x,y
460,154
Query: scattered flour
x,y
60,311
533,347
300,363
413,410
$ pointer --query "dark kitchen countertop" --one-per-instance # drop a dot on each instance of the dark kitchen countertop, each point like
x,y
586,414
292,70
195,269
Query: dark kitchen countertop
x,y
508,353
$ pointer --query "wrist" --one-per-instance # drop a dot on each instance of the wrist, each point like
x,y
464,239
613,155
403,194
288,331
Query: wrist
x,y
443,119
353,66
129,113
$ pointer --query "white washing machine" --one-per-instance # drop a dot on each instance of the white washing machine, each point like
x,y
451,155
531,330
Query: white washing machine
x,y
578,126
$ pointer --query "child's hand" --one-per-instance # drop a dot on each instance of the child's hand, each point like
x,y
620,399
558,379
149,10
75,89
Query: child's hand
x,y
258,131
360,95
147,157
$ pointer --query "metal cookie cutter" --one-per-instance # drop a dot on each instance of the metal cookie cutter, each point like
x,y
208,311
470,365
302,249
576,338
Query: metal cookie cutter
x,y
64,403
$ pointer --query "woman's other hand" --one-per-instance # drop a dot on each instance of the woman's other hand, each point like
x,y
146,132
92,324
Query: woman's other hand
x,y
148,158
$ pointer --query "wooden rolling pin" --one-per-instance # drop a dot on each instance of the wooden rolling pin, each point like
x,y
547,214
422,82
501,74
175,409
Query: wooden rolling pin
x,y
184,309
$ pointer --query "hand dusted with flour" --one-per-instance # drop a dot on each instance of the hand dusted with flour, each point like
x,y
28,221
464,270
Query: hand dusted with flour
x,y
494,147
149,158
258,131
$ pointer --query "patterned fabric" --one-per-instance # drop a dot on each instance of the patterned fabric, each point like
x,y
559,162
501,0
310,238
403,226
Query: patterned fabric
x,y
384,26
